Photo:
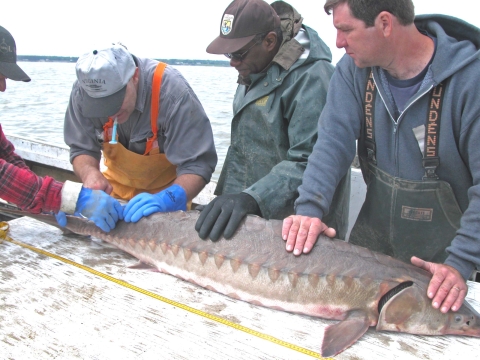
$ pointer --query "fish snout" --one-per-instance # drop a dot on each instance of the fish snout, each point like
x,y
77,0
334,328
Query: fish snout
x,y
465,321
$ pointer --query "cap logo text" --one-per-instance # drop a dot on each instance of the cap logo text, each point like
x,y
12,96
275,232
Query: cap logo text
x,y
94,85
94,81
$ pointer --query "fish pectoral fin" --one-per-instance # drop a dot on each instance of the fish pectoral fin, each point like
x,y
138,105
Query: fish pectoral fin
x,y
403,309
340,336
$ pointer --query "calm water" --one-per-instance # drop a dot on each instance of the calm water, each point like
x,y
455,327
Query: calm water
x,y
36,110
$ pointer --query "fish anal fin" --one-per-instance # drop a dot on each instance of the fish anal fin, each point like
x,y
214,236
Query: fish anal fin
x,y
340,336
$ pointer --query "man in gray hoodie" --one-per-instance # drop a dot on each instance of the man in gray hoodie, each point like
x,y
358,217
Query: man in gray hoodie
x,y
407,90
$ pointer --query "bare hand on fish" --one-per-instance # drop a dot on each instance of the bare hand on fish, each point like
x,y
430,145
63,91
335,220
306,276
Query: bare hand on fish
x,y
447,287
301,233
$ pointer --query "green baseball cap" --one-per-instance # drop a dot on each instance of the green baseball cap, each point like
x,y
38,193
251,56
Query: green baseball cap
x,y
8,57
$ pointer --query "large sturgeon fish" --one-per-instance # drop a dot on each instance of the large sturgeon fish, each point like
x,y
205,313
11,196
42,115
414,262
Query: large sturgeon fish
x,y
336,280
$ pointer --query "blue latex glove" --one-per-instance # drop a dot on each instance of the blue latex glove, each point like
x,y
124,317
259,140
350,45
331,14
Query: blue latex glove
x,y
172,198
61,218
97,206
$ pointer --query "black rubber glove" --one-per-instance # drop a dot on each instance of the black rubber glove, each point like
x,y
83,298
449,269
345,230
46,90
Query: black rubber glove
x,y
224,214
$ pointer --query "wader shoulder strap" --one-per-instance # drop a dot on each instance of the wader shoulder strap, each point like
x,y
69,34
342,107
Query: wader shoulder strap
x,y
369,109
431,159
155,106
366,144
108,125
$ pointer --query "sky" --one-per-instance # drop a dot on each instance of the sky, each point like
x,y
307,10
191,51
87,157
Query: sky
x,y
157,29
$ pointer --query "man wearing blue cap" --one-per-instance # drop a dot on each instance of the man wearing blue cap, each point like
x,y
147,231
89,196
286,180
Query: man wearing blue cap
x,y
20,186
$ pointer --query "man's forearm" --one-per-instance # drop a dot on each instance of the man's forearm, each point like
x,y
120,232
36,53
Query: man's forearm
x,y
84,165
191,183
87,169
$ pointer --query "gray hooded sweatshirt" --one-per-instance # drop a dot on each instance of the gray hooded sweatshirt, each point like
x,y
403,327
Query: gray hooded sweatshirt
x,y
398,152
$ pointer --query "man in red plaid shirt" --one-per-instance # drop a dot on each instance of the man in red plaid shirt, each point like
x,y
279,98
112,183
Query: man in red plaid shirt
x,y
20,186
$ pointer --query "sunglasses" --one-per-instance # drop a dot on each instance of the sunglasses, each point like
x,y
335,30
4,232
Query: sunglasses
x,y
240,57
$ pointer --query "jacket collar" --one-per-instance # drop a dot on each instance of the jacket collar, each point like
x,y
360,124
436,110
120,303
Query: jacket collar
x,y
290,50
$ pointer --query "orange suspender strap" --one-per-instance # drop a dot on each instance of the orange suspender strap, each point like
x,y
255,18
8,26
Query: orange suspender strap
x,y
155,109
108,125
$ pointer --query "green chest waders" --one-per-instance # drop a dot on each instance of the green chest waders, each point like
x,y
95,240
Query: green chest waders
x,y
399,217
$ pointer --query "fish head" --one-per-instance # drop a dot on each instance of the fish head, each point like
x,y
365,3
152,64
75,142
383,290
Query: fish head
x,y
411,311
465,321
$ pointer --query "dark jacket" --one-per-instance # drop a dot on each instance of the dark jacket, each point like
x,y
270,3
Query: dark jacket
x,y
274,126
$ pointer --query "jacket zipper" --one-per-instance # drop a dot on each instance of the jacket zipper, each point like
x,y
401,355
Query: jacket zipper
x,y
395,123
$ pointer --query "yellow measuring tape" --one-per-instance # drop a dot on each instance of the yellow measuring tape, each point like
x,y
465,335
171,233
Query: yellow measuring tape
x,y
3,236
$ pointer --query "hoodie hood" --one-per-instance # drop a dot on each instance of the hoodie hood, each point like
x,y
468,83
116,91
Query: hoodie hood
x,y
458,43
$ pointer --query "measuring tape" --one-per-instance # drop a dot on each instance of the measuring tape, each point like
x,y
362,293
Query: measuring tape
x,y
3,236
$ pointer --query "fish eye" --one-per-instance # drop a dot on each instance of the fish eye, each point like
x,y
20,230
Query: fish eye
x,y
458,319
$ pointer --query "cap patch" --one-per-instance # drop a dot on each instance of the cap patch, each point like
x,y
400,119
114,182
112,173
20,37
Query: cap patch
x,y
4,47
227,23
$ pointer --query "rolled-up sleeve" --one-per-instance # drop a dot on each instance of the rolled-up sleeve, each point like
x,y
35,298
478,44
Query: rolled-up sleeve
x,y
79,132
189,142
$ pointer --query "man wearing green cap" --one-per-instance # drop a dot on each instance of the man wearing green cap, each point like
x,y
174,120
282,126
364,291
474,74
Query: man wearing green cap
x,y
284,70
20,186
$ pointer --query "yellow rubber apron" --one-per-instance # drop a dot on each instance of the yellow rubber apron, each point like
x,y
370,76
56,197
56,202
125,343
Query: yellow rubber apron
x,y
130,173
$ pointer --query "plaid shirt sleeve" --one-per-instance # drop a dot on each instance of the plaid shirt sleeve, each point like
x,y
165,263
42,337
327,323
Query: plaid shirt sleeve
x,y
7,152
22,187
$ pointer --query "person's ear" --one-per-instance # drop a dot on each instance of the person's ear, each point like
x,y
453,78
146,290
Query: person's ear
x,y
384,23
270,41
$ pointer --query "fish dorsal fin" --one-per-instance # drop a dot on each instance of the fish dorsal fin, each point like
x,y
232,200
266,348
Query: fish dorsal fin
x,y
340,336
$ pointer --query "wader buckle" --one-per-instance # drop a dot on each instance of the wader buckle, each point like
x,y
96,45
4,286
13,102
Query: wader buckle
x,y
371,157
430,165
430,173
